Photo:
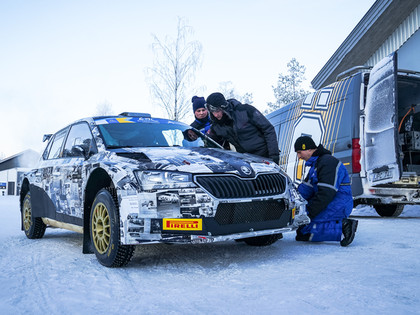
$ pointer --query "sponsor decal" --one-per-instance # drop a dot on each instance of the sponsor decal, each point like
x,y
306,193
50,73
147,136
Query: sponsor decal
x,y
183,224
125,120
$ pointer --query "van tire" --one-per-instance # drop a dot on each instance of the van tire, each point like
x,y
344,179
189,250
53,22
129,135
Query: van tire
x,y
264,240
393,210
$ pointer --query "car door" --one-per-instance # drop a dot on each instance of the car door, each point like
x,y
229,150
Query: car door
x,y
79,145
380,129
45,187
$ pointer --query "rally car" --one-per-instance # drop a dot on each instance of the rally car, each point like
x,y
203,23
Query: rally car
x,y
132,179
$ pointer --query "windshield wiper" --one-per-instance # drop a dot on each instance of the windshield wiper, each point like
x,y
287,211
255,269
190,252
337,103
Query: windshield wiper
x,y
206,139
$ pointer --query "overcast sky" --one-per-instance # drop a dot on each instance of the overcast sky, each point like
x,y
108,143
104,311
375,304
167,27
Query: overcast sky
x,y
60,59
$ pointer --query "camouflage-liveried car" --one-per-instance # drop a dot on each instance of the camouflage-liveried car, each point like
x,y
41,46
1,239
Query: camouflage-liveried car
x,y
132,179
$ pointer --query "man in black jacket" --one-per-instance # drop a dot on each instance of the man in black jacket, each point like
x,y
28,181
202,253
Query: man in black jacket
x,y
243,126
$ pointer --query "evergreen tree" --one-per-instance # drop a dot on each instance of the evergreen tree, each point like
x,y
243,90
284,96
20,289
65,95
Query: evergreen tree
x,y
289,87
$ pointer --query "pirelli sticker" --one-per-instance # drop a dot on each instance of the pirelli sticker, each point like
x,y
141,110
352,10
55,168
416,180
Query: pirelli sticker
x,y
183,224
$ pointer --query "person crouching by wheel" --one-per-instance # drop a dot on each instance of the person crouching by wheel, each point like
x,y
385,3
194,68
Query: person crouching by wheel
x,y
327,189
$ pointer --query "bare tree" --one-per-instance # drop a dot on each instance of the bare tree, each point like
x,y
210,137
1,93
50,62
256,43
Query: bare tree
x,y
174,66
104,108
229,91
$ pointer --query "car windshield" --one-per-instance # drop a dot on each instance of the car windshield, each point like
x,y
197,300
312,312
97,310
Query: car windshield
x,y
148,132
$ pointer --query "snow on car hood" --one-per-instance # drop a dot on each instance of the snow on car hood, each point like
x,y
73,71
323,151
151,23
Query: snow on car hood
x,y
199,160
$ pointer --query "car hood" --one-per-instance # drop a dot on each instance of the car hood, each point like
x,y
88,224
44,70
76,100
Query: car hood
x,y
198,160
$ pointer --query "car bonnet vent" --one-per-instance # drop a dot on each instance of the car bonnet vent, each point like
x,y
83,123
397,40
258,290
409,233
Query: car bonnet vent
x,y
139,156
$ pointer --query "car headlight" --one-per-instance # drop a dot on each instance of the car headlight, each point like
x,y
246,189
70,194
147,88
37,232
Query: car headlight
x,y
150,180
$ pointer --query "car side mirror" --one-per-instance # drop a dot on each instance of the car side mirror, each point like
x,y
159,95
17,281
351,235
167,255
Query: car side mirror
x,y
46,137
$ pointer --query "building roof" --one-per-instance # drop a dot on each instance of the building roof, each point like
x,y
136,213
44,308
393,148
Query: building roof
x,y
25,159
370,33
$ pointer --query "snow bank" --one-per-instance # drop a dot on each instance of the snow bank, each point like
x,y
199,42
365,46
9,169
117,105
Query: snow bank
x,y
377,274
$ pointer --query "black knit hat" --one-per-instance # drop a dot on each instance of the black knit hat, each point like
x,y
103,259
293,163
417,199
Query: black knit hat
x,y
304,143
198,102
216,101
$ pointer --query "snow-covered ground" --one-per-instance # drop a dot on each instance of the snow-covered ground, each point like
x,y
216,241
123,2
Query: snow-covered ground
x,y
379,273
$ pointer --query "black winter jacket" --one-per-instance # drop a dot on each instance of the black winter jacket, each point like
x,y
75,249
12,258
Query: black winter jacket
x,y
247,129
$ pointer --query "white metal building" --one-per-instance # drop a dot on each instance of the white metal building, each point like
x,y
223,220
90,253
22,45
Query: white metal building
x,y
388,26
12,170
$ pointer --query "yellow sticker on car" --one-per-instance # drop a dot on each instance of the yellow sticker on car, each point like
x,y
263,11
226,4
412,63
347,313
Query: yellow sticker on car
x,y
124,120
183,224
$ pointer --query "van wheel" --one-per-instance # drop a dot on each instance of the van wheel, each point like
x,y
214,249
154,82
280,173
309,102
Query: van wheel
x,y
33,227
262,240
393,210
105,231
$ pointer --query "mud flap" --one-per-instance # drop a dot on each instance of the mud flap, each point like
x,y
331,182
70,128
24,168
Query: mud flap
x,y
87,244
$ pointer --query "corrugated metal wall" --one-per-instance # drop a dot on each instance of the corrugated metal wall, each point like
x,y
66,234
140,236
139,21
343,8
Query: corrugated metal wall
x,y
407,28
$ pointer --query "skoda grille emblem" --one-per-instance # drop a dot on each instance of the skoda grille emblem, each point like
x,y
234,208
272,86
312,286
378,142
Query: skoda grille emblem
x,y
246,170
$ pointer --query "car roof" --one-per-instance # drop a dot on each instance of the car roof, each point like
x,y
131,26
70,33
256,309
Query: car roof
x,y
125,114
124,117
131,117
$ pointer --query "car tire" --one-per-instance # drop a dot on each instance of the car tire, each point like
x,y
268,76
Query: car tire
x,y
393,210
34,227
105,231
262,240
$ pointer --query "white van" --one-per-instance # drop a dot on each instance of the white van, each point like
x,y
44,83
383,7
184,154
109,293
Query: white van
x,y
370,120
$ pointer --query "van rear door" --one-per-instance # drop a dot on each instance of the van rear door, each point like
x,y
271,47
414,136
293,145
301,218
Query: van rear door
x,y
380,132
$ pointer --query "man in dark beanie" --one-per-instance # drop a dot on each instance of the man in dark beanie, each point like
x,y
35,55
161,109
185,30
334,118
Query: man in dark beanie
x,y
243,126
304,143
328,192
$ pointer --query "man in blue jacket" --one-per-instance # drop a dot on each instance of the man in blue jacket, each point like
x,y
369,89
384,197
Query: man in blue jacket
x,y
328,192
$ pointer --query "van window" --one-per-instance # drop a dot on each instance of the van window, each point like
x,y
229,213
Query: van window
x,y
307,103
323,99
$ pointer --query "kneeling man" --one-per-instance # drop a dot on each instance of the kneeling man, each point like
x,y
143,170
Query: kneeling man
x,y
328,192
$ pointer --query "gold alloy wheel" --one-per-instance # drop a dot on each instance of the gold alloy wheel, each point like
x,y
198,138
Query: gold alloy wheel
x,y
27,215
101,228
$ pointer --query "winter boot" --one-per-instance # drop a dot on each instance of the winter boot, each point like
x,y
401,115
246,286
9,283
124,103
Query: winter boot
x,y
300,237
349,231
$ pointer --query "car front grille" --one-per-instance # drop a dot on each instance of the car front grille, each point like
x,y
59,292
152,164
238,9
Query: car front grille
x,y
249,212
230,186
